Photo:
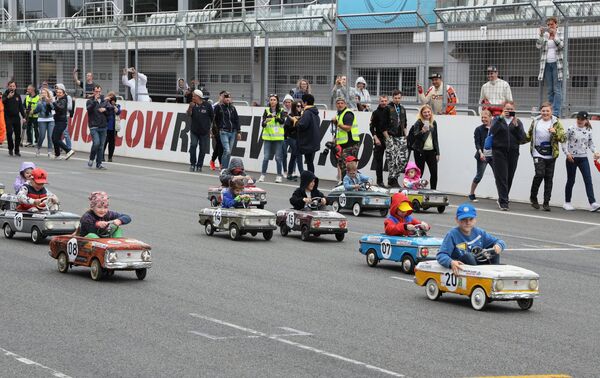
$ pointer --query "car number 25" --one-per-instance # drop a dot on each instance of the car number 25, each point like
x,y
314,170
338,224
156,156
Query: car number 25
x,y
451,281
72,249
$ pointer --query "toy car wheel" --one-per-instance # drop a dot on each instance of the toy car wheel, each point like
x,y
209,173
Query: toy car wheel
x,y
525,304
268,234
96,270
8,232
260,206
432,289
304,233
340,236
383,212
234,232
209,229
284,230
335,205
478,298
372,259
214,202
36,235
416,206
62,262
141,273
408,264
441,209
356,210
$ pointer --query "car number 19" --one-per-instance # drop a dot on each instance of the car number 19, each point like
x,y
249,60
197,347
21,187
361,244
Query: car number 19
x,y
290,220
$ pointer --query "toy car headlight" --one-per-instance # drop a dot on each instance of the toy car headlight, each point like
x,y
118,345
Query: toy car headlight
x,y
263,197
498,285
272,222
112,256
246,221
50,225
366,200
533,284
146,255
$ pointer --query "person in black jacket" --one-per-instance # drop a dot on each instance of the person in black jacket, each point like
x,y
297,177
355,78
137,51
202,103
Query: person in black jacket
x,y
228,124
309,188
379,126
61,109
425,144
309,139
396,149
291,136
14,116
508,134
98,109
201,113
481,132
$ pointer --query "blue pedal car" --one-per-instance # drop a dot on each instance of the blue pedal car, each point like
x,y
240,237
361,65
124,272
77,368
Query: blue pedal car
x,y
408,250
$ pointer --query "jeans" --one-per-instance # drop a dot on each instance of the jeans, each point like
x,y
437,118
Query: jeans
x,y
67,138
201,141
98,140
481,166
272,148
295,157
32,130
45,127
284,153
544,171
227,140
584,167
57,134
554,87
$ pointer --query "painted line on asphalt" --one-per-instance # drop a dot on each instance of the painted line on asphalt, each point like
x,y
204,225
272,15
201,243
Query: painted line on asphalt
x,y
27,361
298,345
403,279
527,376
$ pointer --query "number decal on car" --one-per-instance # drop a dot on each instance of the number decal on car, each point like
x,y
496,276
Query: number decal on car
x,y
451,281
72,249
217,216
386,248
342,200
18,221
290,219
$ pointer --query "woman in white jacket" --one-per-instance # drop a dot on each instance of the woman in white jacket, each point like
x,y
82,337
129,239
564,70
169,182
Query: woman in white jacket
x,y
142,91
361,95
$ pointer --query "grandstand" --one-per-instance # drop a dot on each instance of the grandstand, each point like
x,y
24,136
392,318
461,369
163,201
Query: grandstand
x,y
253,48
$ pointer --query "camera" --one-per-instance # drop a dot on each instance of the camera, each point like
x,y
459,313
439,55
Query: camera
x,y
331,146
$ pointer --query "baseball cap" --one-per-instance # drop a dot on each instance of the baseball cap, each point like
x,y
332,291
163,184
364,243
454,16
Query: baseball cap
x,y
583,115
351,159
466,210
39,176
435,76
405,206
492,69
340,99
198,92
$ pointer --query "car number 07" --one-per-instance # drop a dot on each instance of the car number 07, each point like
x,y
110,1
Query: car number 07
x,y
72,249
386,249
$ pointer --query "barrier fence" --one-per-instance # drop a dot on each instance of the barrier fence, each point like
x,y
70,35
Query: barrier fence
x,y
261,49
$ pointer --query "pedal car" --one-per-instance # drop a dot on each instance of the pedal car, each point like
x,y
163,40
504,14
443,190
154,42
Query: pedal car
x,y
482,283
369,197
238,222
8,201
104,255
423,199
39,225
258,195
312,221
408,250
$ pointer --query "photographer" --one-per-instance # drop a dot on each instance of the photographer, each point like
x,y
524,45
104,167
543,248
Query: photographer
x,y
347,135
88,88
112,125
137,84
13,108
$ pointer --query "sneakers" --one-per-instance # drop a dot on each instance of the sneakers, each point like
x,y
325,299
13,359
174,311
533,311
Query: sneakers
x,y
110,160
212,165
534,203
69,154
546,206
101,167
50,155
10,153
567,206
37,153
18,154
192,168
261,178
291,178
60,157
594,207
198,169
472,198
90,163
502,207
278,179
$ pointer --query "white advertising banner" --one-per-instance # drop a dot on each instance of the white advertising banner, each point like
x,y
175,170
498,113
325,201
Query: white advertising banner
x,y
160,131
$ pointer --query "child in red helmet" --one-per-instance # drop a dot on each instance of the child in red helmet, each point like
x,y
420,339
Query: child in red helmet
x,y
400,222
34,197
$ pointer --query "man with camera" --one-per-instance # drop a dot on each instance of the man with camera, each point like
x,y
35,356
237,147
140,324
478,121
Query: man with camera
x,y
347,135
14,116
137,84
87,87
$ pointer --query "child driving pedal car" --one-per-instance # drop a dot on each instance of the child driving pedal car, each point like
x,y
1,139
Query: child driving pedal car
x,y
354,180
308,190
461,242
34,197
234,171
98,220
412,177
400,222
232,195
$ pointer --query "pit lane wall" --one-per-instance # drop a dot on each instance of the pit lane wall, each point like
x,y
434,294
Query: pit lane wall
x,y
160,131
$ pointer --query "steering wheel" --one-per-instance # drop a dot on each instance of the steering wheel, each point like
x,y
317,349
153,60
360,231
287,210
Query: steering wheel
x,y
366,186
108,231
314,203
483,256
420,230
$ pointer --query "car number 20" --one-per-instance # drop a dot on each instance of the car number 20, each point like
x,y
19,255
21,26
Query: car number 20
x,y
451,281
72,249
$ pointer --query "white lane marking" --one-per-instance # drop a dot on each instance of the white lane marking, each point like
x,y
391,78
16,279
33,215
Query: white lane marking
x,y
544,249
27,361
298,345
292,332
403,279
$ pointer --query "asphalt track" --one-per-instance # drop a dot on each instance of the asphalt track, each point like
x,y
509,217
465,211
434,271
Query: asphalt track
x,y
212,307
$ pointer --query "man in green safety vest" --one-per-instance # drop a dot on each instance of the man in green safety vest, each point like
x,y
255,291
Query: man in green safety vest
x,y
347,135
31,101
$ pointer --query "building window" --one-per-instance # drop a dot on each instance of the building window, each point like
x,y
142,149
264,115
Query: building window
x,y
198,4
383,81
72,7
579,82
35,9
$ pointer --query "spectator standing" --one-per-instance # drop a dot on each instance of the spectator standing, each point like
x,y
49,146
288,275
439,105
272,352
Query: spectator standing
x,y
579,140
31,101
70,112
202,115
552,68
228,124
182,90
379,126
544,135
286,110
137,84
302,88
61,109
217,145
273,136
396,149
434,97
347,135
508,134
495,93
341,90
43,110
425,143
362,95
291,133
88,86
13,111
98,109
2,124
481,155
112,124
309,138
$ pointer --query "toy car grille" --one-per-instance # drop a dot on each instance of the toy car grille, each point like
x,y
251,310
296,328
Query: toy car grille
x,y
436,199
510,284
126,256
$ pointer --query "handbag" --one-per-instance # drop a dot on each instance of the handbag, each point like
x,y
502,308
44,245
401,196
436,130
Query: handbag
x,y
117,124
545,149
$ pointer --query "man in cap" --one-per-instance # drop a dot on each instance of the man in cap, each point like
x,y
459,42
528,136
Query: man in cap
x,y
434,96
494,93
202,116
